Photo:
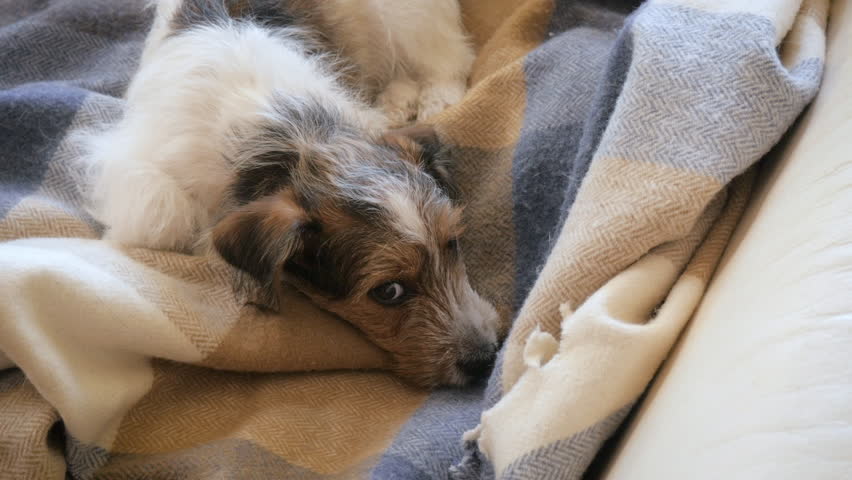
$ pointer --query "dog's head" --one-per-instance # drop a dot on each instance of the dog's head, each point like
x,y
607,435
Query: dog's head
x,y
365,228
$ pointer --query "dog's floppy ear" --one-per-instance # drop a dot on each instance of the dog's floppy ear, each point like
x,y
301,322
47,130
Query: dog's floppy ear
x,y
260,236
420,144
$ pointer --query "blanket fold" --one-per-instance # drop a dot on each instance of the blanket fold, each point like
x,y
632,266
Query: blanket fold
x,y
695,94
604,153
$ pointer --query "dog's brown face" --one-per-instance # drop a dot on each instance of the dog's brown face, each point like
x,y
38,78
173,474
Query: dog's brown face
x,y
367,230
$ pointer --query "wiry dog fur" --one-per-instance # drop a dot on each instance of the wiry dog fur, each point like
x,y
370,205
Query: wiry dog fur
x,y
250,127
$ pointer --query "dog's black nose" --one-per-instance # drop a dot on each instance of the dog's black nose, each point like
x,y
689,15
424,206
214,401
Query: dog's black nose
x,y
478,364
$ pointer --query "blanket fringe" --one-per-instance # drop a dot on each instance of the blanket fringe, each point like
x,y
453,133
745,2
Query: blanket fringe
x,y
471,465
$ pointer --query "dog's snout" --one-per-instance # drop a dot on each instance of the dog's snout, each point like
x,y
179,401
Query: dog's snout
x,y
478,364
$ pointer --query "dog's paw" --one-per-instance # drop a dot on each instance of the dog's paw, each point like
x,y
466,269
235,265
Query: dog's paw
x,y
436,97
399,101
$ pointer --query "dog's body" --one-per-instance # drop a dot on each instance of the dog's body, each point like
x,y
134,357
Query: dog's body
x,y
242,132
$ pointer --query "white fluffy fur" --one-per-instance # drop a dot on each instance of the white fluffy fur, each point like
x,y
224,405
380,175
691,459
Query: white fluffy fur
x,y
160,173
415,50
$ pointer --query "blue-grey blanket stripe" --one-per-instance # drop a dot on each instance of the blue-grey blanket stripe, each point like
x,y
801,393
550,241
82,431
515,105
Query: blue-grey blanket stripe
x,y
430,442
562,77
13,11
33,120
83,460
566,459
607,95
608,92
92,45
707,93
399,466
573,82
472,466
494,387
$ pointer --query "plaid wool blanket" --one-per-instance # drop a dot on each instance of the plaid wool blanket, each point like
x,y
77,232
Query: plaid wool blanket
x,y
604,155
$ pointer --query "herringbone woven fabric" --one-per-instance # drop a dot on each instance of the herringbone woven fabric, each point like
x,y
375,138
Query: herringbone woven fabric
x,y
693,94
603,153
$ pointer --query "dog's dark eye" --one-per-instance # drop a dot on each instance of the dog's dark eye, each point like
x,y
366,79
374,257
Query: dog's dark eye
x,y
391,293
453,244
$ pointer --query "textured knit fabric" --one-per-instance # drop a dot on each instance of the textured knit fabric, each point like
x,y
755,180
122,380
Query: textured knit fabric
x,y
604,153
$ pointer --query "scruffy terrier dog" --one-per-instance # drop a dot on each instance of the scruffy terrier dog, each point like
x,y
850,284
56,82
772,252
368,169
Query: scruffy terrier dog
x,y
260,128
